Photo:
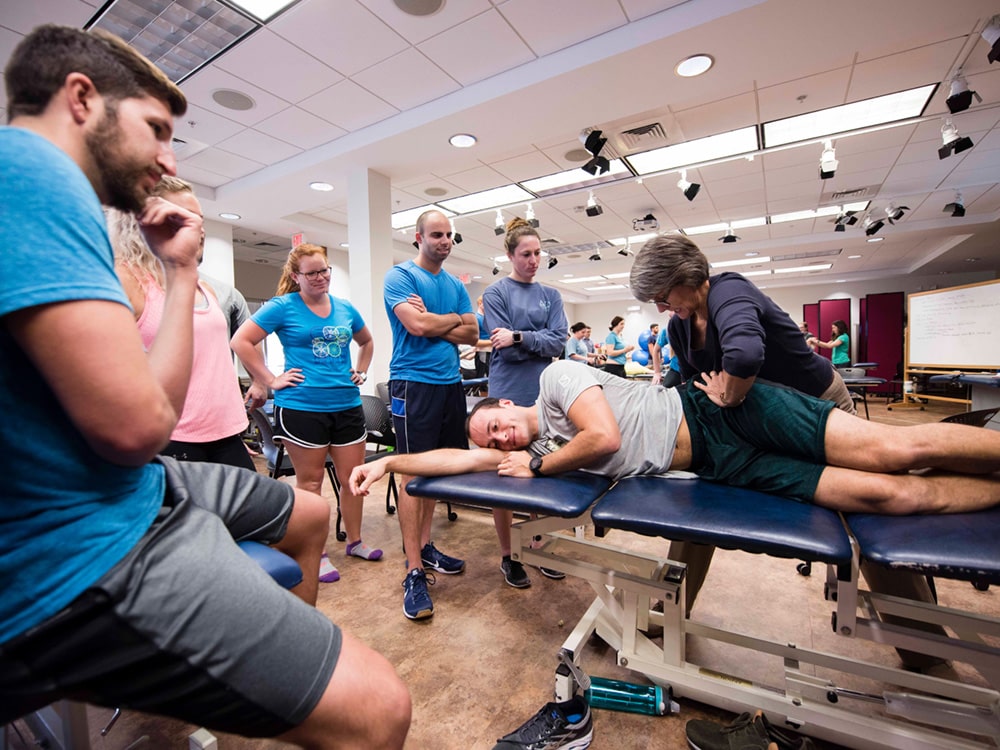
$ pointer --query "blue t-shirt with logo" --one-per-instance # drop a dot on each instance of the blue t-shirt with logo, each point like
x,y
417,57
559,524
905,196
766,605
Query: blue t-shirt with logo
x,y
320,347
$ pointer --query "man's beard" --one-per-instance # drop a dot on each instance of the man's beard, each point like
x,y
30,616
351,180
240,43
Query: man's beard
x,y
119,178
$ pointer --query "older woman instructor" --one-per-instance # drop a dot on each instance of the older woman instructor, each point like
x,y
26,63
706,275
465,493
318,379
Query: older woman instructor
x,y
726,334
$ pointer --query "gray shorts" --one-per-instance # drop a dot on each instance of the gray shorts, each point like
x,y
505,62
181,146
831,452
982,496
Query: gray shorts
x,y
186,625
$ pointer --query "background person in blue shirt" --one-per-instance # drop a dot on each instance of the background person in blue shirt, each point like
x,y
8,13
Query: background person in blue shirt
x,y
430,316
615,347
839,342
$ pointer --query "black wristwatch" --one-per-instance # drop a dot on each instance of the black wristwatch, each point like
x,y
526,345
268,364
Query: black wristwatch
x,y
516,336
536,466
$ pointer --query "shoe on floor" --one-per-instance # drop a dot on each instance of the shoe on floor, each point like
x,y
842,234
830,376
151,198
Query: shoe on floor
x,y
433,558
746,732
555,575
557,726
513,573
327,572
417,604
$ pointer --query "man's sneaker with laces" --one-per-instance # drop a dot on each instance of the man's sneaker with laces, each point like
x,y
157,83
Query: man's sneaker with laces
x,y
513,573
417,604
746,732
433,558
558,726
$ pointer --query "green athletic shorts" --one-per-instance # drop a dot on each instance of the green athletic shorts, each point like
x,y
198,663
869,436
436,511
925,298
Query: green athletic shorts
x,y
773,442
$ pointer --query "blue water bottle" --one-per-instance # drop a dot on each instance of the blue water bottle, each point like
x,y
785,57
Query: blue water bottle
x,y
615,695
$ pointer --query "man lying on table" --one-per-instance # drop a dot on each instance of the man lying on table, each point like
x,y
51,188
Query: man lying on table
x,y
778,441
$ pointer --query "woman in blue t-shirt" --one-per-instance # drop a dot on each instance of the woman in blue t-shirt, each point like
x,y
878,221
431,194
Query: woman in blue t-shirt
x,y
840,343
615,347
317,404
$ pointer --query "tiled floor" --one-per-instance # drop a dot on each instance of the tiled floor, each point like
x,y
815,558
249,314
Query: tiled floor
x,y
485,662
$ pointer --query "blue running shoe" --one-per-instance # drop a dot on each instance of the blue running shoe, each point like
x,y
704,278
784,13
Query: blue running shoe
x,y
417,604
558,726
434,559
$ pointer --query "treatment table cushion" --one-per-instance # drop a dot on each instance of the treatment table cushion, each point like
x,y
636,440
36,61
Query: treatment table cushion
x,y
693,510
566,495
961,545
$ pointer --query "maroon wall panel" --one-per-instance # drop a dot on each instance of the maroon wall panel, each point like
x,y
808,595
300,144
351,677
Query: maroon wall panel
x,y
810,314
885,333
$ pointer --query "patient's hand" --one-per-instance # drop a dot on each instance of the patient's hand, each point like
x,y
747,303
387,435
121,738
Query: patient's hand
x,y
364,476
515,464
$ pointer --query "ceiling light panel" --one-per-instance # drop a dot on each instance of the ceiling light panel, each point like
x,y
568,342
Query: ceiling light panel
x,y
500,196
573,179
803,269
180,37
408,218
700,150
867,113
758,221
740,262
263,10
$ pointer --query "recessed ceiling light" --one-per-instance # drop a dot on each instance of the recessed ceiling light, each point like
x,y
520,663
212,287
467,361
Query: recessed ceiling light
x,y
435,192
230,216
344,245
419,7
462,140
855,257
694,66
972,260
323,187
875,239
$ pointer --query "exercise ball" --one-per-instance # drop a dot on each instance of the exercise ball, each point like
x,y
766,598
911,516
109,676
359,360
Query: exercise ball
x,y
644,341
640,357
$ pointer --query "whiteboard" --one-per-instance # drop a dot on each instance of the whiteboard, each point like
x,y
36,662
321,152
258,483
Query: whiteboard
x,y
955,328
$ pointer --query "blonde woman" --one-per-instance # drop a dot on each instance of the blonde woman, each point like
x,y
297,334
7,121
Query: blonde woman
x,y
317,402
213,419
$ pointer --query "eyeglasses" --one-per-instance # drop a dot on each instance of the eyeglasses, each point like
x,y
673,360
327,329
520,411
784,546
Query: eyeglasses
x,y
313,275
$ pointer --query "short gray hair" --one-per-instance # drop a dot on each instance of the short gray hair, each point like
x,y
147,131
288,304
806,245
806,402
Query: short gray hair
x,y
665,262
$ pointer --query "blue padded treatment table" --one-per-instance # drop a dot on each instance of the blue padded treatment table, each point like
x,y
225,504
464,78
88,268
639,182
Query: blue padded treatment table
x,y
960,545
566,495
692,510
275,563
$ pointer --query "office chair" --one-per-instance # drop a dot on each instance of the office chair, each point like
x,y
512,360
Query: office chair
x,y
280,465
378,422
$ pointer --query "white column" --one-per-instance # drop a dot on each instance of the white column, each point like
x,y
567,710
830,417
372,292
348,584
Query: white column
x,y
369,237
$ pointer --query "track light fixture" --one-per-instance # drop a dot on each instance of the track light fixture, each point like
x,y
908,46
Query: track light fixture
x,y
894,212
594,142
456,237
626,251
960,98
728,237
690,189
593,207
828,161
844,219
952,142
499,229
530,217
871,227
957,207
415,244
496,268
992,36
553,261
596,255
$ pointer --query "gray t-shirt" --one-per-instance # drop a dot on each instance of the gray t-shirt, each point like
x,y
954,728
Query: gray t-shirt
x,y
648,417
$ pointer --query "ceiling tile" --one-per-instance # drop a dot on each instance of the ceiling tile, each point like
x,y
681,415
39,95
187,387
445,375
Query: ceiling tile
x,y
904,70
206,177
804,95
526,167
478,179
636,9
259,147
557,24
305,130
22,17
344,34
278,66
718,117
478,48
205,126
416,29
199,88
406,80
220,162
348,106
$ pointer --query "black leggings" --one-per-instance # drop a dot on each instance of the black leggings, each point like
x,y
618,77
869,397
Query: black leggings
x,y
230,450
